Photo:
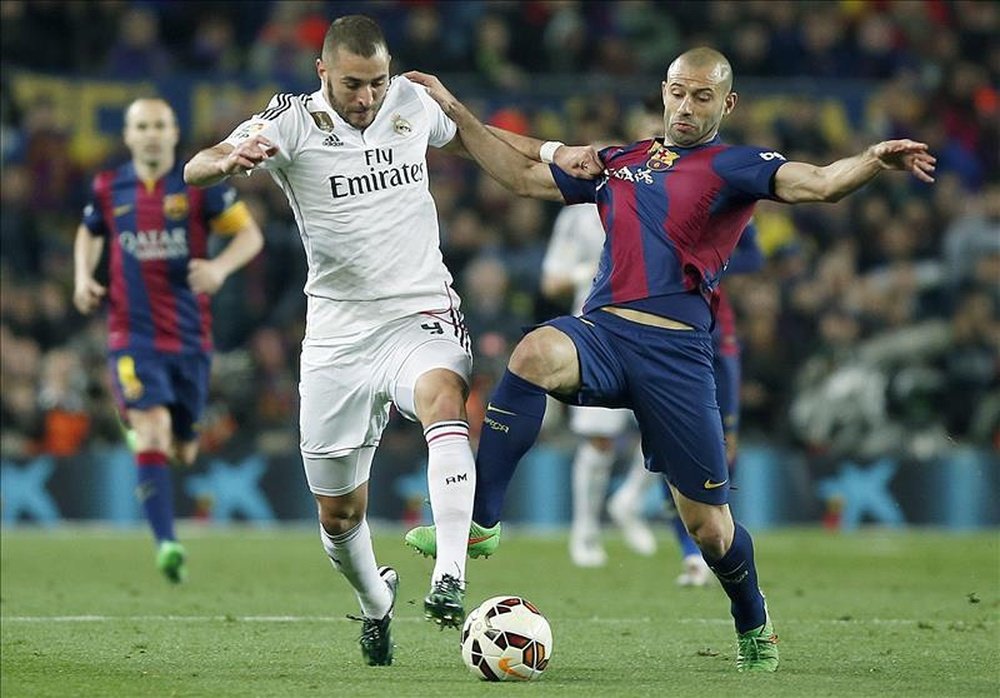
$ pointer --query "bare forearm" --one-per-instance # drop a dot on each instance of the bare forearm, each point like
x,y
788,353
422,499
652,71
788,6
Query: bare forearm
x,y
846,175
525,145
244,246
87,250
206,168
500,160
802,182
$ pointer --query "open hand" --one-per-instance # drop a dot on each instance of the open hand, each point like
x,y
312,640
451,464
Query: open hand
x,y
435,88
907,155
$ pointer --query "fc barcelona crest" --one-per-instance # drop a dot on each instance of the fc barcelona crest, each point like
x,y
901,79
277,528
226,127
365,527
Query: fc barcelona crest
x,y
175,206
322,120
662,159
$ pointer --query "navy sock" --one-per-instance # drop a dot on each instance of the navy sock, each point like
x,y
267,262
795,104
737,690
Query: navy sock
x,y
155,492
510,427
738,574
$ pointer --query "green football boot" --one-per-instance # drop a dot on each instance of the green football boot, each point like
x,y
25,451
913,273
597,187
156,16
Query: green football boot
x,y
444,605
483,542
171,559
757,649
129,436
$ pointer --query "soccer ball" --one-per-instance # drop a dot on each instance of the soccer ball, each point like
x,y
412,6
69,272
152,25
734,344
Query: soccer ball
x,y
506,639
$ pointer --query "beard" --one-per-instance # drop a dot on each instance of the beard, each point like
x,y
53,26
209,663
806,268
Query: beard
x,y
356,117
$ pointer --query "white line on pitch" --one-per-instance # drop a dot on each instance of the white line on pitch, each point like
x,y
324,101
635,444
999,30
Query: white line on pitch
x,y
338,619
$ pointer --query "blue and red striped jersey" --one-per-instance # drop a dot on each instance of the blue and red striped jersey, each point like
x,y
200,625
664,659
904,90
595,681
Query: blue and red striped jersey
x,y
673,217
153,229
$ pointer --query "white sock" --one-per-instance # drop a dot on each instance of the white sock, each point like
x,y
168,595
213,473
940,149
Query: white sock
x,y
451,481
351,553
631,494
591,471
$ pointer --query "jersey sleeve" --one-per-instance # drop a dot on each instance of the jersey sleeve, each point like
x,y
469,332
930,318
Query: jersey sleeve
x,y
574,190
225,213
749,170
442,128
93,215
281,123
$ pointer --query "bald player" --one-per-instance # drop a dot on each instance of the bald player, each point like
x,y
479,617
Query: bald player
x,y
156,229
673,209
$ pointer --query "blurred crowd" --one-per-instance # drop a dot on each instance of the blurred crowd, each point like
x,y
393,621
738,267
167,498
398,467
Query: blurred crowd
x,y
873,329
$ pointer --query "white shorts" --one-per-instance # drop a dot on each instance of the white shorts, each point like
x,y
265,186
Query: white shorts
x,y
347,385
600,421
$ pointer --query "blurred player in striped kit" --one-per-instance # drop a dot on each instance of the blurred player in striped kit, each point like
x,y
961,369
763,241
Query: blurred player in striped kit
x,y
156,230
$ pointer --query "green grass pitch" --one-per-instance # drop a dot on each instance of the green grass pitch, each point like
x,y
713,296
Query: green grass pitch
x,y
84,613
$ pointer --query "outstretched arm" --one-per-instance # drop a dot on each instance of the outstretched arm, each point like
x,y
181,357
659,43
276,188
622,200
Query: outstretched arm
x,y
507,163
797,182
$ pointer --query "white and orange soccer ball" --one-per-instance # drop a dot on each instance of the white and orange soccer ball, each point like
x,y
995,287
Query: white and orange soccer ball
x,y
506,639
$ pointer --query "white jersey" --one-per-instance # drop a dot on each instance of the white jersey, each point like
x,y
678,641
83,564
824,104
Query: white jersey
x,y
362,204
575,249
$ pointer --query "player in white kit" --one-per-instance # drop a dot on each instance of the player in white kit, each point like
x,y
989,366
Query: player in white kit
x,y
383,324
568,270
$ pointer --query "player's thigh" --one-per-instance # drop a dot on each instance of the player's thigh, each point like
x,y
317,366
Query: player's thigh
x,y
547,356
342,406
338,476
673,396
431,378
599,375
140,380
189,377
141,385
599,421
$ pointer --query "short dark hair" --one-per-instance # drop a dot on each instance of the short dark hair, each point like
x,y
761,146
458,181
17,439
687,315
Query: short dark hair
x,y
359,34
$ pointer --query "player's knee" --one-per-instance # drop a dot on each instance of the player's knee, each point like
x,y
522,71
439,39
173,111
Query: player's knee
x,y
153,441
540,359
186,453
440,395
711,531
711,538
340,515
336,524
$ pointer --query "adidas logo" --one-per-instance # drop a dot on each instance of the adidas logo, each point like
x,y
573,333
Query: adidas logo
x,y
332,140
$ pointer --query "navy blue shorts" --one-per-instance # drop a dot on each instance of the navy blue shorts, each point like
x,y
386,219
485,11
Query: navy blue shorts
x,y
727,388
142,380
665,377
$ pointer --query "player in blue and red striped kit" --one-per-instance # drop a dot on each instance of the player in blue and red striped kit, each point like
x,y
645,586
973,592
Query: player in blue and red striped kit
x,y
159,320
673,209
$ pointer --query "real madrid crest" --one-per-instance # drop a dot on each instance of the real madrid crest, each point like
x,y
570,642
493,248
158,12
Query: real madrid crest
x,y
175,206
401,125
661,159
322,120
